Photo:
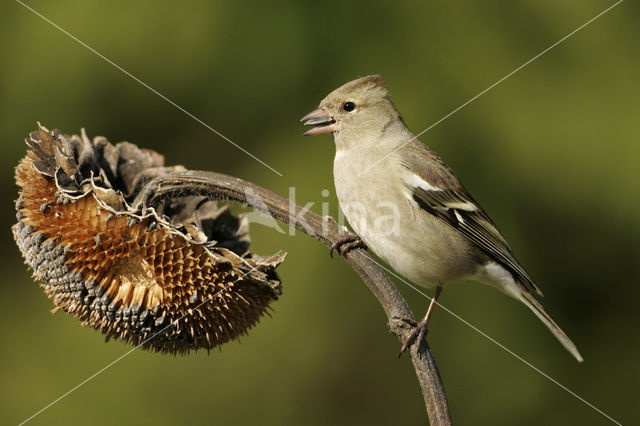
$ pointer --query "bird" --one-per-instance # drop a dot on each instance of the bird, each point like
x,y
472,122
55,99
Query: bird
x,y
408,207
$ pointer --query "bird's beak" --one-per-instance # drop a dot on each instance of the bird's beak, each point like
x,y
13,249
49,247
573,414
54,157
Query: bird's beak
x,y
322,121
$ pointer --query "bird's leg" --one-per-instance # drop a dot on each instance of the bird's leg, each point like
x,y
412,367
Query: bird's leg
x,y
420,328
347,243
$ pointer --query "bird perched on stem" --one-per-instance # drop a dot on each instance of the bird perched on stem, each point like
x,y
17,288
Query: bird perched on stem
x,y
409,207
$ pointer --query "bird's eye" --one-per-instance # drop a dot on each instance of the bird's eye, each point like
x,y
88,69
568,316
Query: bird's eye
x,y
348,106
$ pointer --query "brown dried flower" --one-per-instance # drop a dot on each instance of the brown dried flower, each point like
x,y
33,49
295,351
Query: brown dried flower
x,y
176,278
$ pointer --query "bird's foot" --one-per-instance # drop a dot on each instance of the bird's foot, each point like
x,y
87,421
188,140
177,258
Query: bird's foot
x,y
347,243
418,331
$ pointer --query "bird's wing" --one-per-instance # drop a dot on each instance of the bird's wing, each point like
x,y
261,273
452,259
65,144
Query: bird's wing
x,y
439,193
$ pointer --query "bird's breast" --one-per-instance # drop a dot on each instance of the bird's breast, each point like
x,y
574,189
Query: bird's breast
x,y
414,243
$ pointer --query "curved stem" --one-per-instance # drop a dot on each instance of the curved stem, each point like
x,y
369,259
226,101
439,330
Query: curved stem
x,y
327,231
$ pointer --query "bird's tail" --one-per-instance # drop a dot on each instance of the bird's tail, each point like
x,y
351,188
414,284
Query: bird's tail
x,y
529,300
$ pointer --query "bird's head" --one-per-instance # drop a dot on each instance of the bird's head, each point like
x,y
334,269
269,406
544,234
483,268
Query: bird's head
x,y
358,109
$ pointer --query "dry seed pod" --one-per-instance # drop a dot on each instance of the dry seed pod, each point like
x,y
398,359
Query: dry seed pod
x,y
172,279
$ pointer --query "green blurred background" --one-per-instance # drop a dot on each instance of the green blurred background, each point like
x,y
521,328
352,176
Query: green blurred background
x,y
552,154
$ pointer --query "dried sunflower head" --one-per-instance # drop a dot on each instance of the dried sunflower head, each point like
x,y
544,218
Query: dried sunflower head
x,y
172,279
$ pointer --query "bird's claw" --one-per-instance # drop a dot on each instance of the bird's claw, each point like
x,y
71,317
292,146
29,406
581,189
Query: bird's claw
x,y
347,243
418,332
